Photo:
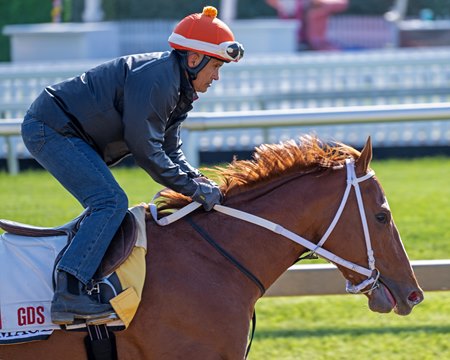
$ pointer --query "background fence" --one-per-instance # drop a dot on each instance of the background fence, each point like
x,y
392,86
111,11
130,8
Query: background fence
x,y
279,83
390,126
432,275
372,77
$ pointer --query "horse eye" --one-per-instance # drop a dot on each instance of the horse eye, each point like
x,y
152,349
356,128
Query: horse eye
x,y
382,217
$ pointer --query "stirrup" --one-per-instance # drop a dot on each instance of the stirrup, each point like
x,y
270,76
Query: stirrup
x,y
102,319
64,318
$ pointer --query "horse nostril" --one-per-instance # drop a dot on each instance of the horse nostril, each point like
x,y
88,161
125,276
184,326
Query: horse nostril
x,y
415,297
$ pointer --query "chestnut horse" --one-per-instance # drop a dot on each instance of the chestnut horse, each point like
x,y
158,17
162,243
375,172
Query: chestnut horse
x,y
205,272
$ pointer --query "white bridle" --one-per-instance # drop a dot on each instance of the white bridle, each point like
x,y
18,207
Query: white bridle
x,y
371,272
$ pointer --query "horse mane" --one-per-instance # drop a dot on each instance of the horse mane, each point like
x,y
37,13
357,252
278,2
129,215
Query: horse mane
x,y
269,161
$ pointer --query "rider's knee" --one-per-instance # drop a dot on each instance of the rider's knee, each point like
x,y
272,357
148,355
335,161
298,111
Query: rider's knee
x,y
121,200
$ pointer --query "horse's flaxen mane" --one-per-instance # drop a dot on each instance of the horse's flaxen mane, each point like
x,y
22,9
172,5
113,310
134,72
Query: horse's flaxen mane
x,y
269,162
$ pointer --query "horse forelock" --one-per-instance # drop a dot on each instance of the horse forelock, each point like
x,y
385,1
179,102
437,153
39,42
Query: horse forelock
x,y
270,161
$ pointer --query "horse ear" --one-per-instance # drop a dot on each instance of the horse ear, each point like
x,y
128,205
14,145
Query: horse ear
x,y
363,162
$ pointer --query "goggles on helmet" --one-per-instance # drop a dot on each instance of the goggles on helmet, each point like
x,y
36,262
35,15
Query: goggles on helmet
x,y
227,51
232,50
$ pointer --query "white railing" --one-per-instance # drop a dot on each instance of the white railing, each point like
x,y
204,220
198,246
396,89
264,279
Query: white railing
x,y
374,77
412,124
278,83
434,129
335,79
316,279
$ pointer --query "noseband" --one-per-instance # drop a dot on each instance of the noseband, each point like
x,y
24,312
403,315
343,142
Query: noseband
x,y
353,181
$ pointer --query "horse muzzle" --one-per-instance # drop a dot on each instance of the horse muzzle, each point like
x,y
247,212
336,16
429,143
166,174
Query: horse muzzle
x,y
384,299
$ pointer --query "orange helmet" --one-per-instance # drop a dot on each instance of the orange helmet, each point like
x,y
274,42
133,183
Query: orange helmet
x,y
206,34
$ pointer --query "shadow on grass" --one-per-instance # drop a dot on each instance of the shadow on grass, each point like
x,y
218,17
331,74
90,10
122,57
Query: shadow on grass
x,y
322,332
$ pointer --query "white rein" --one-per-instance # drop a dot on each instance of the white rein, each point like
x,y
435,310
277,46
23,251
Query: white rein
x,y
352,181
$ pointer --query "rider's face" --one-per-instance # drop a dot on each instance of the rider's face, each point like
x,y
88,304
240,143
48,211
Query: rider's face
x,y
207,75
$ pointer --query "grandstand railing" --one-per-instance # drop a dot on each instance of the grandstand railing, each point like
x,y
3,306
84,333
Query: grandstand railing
x,y
371,77
419,124
277,83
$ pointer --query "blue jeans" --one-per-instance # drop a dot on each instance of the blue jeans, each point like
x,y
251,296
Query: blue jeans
x,y
80,169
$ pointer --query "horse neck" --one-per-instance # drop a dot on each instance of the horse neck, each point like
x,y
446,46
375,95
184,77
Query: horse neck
x,y
293,202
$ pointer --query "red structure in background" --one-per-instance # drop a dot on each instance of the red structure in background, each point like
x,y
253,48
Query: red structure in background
x,y
313,20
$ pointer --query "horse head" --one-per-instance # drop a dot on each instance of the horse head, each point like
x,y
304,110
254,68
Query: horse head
x,y
395,286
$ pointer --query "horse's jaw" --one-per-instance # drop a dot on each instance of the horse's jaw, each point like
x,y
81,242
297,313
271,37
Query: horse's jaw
x,y
382,300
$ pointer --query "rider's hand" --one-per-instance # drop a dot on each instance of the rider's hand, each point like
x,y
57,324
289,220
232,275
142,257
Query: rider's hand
x,y
205,180
207,194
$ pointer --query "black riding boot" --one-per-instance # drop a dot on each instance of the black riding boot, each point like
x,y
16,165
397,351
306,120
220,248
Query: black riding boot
x,y
71,302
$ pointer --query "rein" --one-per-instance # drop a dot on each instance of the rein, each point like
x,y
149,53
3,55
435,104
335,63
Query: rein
x,y
226,255
371,272
238,265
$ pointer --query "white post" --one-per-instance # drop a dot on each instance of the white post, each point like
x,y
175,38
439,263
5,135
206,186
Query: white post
x,y
12,160
228,11
191,147
398,11
92,11
395,16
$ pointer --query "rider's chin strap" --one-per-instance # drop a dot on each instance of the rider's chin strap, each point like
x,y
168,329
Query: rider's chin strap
x,y
192,71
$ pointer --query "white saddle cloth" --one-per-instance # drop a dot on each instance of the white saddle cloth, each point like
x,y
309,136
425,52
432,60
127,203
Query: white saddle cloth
x,y
26,287
26,290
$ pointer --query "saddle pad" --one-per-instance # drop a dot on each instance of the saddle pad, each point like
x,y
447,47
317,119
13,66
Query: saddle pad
x,y
26,290
18,337
26,286
25,307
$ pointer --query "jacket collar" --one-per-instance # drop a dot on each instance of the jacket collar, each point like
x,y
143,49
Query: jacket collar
x,y
186,87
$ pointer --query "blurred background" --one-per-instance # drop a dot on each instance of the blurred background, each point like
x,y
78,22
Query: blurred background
x,y
136,17
343,69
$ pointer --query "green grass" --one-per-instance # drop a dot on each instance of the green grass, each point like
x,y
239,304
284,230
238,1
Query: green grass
x,y
319,327
418,192
341,327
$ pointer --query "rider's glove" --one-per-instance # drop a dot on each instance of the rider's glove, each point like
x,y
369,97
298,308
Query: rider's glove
x,y
207,194
205,180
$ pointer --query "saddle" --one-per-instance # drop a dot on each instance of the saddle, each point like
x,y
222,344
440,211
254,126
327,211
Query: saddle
x,y
28,255
118,251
